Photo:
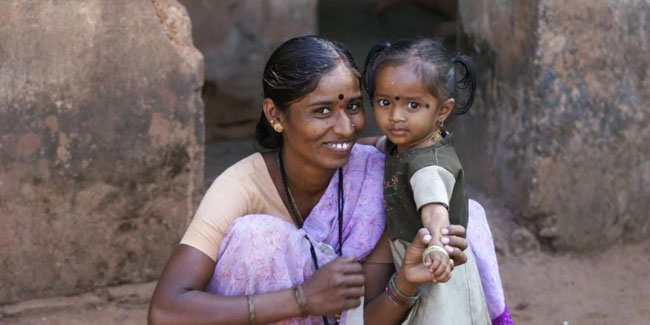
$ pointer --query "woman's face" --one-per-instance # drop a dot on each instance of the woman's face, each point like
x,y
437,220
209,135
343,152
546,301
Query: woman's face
x,y
321,127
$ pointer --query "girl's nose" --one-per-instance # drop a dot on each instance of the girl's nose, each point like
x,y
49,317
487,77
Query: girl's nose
x,y
396,115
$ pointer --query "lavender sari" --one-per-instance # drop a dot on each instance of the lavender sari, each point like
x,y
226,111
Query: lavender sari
x,y
262,253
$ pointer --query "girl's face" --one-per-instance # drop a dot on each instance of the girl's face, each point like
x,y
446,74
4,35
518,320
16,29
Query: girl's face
x,y
405,110
321,127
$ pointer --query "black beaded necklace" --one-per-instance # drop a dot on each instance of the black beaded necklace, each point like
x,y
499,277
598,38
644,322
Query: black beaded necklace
x,y
297,218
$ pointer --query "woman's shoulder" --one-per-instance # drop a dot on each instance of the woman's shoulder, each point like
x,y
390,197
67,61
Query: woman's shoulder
x,y
365,152
245,168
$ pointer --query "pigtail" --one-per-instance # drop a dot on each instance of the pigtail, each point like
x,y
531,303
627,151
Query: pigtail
x,y
465,87
368,79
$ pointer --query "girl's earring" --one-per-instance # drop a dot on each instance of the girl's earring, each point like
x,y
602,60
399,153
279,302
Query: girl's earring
x,y
444,133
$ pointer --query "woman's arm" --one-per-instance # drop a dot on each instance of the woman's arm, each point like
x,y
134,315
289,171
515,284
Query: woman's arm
x,y
179,295
379,309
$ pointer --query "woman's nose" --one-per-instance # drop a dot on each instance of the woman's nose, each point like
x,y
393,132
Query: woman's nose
x,y
343,125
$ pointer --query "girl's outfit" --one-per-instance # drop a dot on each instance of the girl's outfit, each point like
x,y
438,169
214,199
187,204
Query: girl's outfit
x,y
244,226
413,179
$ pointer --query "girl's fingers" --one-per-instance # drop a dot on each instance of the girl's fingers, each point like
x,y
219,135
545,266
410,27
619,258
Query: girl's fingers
x,y
440,271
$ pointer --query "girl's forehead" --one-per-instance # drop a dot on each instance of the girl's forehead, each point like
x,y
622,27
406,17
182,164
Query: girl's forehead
x,y
401,78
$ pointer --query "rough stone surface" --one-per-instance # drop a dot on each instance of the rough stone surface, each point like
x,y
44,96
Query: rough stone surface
x,y
101,142
236,38
560,127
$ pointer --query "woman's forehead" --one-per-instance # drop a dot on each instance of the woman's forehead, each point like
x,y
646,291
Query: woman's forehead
x,y
339,81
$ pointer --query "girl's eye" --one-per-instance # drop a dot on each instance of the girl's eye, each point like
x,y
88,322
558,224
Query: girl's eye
x,y
383,102
413,105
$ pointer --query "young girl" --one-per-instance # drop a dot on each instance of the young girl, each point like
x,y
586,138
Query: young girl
x,y
414,87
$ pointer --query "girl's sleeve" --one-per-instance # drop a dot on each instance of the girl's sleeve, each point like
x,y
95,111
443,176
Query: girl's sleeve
x,y
224,201
432,184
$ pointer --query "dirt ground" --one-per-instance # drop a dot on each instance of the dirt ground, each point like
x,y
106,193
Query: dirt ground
x,y
610,287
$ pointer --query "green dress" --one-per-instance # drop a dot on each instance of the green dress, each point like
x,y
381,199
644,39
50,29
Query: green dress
x,y
460,300
403,217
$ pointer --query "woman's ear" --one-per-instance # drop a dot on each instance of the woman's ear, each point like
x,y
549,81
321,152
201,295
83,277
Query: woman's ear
x,y
445,109
272,114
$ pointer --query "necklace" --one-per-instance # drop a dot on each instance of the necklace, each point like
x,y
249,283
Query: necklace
x,y
295,213
298,219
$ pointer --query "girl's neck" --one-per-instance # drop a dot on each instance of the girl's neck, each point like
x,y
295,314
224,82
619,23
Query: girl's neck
x,y
430,140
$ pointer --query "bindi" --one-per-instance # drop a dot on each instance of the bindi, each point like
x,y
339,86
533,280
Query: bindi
x,y
427,106
341,96
396,97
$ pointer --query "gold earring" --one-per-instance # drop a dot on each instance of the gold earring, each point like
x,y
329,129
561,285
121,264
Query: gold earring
x,y
277,126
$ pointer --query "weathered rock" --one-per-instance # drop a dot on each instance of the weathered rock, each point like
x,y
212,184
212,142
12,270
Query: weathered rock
x,y
560,127
101,142
236,38
523,241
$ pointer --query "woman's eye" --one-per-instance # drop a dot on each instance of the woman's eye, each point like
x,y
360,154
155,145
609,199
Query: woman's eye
x,y
413,105
323,111
354,106
383,102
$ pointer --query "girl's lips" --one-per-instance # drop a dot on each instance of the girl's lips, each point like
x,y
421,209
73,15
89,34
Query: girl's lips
x,y
397,132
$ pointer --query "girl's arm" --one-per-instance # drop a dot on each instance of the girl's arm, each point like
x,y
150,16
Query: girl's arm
x,y
435,217
179,295
379,309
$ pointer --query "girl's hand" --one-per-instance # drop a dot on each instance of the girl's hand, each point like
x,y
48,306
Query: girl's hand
x,y
335,287
453,238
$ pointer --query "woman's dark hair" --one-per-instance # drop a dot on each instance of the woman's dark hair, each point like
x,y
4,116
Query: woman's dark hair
x,y
293,71
438,71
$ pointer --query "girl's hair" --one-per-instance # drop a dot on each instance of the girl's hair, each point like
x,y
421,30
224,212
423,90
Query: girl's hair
x,y
438,71
293,71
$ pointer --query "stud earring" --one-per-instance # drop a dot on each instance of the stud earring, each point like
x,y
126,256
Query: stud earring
x,y
277,126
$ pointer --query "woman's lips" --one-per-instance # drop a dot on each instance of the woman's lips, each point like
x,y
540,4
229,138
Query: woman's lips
x,y
340,146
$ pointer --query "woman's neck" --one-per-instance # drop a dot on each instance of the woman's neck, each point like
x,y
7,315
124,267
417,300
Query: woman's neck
x,y
304,178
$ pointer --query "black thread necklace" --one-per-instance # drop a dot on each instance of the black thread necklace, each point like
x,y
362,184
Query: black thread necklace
x,y
297,218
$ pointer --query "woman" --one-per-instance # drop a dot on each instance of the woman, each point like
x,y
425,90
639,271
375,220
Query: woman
x,y
249,242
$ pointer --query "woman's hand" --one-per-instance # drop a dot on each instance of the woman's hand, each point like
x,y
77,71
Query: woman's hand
x,y
335,287
453,238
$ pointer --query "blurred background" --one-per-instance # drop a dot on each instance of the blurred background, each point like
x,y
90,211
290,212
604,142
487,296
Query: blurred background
x,y
115,116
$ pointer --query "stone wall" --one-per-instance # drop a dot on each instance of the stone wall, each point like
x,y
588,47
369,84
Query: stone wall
x,y
101,142
560,128
236,38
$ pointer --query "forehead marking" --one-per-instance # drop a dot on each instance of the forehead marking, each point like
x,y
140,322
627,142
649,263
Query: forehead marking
x,y
396,97
341,96
427,106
